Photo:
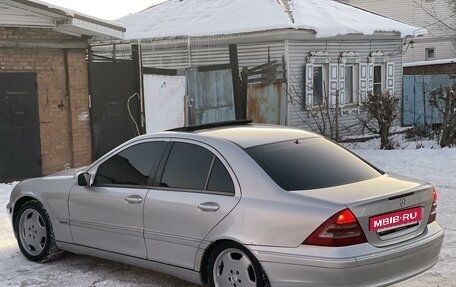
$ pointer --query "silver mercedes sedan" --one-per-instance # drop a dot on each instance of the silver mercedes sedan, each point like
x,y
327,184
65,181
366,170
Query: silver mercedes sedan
x,y
235,204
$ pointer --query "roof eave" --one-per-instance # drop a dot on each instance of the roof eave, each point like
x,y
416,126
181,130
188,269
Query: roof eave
x,y
70,22
268,35
80,27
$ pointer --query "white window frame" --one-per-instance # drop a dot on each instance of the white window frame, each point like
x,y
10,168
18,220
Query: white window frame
x,y
316,59
426,54
380,59
347,59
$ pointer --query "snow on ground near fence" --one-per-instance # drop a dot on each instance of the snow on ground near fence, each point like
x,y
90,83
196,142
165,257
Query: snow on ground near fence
x,y
435,165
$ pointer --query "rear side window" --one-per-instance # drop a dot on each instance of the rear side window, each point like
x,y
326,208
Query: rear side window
x,y
310,164
193,167
220,179
131,166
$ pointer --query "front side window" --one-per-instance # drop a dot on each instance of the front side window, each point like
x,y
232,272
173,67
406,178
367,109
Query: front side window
x,y
310,164
131,166
193,167
378,79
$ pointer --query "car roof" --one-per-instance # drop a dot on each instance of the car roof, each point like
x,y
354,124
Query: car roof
x,y
248,135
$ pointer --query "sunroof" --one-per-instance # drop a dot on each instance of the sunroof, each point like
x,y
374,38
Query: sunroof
x,y
193,128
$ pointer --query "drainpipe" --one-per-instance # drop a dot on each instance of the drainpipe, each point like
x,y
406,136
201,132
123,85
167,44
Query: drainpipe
x,y
189,49
68,99
137,63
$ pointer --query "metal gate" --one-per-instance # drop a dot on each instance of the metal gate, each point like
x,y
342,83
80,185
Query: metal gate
x,y
20,148
210,93
417,110
265,87
115,104
164,98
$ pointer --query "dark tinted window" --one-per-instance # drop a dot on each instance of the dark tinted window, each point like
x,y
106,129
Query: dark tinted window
x,y
220,179
131,166
311,163
187,167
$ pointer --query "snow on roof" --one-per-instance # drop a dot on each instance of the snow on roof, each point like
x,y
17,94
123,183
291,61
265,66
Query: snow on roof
x,y
67,20
429,63
67,12
194,18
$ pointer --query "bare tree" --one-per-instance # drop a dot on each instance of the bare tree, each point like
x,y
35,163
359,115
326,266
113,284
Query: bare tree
x,y
431,10
444,99
322,117
381,111
446,22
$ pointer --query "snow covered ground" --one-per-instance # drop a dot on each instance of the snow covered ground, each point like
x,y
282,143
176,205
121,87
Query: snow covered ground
x,y
435,165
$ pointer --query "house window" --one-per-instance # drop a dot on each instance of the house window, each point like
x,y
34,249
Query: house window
x,y
378,79
318,85
351,87
429,54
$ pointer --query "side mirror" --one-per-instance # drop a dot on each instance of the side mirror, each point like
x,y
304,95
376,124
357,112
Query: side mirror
x,y
84,179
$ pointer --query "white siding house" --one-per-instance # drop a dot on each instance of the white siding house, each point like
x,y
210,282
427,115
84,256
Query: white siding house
x,y
328,48
435,15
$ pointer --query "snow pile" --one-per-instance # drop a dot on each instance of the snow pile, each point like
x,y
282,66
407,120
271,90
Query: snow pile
x,y
437,166
400,141
326,18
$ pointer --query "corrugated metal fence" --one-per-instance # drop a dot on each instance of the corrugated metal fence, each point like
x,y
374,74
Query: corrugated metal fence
x,y
417,110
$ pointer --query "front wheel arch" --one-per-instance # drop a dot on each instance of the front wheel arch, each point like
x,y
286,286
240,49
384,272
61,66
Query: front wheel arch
x,y
49,249
17,206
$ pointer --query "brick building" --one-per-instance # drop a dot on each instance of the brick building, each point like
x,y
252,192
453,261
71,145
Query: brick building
x,y
44,87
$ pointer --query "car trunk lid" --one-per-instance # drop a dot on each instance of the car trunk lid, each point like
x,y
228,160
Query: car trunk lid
x,y
388,207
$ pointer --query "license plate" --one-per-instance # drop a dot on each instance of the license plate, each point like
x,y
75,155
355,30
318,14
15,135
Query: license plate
x,y
399,218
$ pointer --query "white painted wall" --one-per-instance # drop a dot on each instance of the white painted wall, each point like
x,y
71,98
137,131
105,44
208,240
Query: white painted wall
x,y
164,102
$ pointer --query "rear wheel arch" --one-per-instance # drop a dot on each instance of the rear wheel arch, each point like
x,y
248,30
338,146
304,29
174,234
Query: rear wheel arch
x,y
209,252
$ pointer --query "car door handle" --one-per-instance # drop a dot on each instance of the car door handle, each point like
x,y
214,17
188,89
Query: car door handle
x,y
134,199
209,206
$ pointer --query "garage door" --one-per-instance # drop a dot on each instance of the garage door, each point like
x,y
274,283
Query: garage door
x,y
20,151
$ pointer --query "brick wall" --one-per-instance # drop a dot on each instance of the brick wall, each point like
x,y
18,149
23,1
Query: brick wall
x,y
64,116
29,34
437,69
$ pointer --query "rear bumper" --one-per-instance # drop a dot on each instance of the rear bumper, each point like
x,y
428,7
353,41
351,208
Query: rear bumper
x,y
357,265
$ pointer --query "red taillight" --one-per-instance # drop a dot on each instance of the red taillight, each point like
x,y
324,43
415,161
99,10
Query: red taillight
x,y
342,229
433,214
346,217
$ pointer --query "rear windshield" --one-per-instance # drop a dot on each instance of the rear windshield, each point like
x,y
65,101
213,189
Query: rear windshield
x,y
311,163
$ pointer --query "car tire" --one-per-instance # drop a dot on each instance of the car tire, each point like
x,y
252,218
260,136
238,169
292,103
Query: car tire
x,y
34,233
231,264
